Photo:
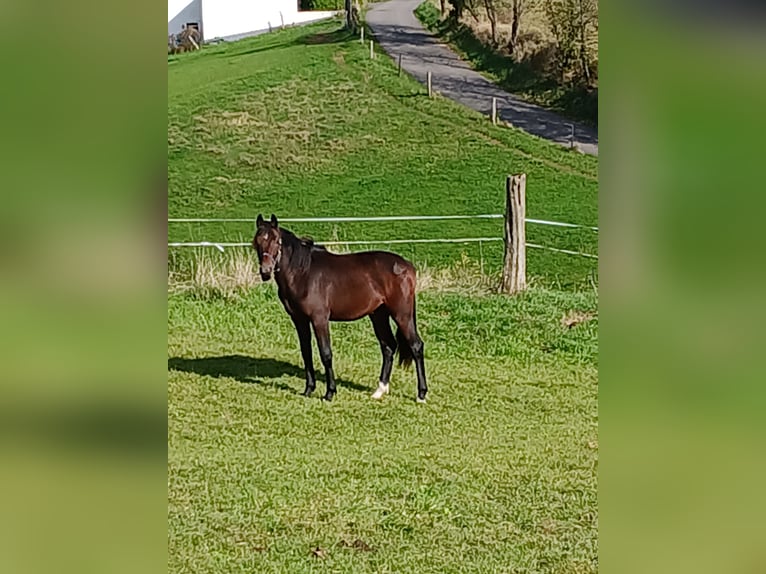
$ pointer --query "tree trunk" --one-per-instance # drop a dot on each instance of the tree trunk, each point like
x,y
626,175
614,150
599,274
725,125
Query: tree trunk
x,y
492,17
457,10
472,12
583,25
516,17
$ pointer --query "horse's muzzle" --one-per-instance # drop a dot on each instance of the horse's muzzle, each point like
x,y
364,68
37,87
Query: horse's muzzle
x,y
267,266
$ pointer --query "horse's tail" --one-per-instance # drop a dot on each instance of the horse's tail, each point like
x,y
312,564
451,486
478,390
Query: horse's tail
x,y
404,350
402,346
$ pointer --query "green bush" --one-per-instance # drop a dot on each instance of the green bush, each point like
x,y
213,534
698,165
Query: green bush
x,y
322,4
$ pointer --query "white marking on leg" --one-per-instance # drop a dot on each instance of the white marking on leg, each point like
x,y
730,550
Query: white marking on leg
x,y
420,400
382,390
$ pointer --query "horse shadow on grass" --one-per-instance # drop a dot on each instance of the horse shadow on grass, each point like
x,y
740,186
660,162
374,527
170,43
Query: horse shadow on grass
x,y
251,371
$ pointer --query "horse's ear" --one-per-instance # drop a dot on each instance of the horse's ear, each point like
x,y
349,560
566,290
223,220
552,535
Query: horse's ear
x,y
274,220
259,220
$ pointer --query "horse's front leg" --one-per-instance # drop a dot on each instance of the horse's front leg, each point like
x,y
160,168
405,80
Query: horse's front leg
x,y
322,332
303,326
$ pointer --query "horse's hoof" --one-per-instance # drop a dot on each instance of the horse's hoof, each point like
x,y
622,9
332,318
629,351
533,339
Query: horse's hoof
x,y
421,401
307,392
327,398
381,390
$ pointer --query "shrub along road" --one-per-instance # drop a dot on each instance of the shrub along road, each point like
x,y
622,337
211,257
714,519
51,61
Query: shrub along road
x,y
399,32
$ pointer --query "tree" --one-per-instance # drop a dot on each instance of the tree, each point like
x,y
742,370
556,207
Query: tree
x,y
518,8
456,13
572,23
459,6
494,8
349,15
490,7
587,20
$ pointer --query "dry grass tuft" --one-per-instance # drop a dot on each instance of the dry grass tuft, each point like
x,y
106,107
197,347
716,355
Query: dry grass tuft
x,y
210,273
574,318
338,58
465,276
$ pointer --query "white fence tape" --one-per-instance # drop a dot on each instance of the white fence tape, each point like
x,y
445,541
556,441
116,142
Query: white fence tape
x,y
381,218
567,251
221,246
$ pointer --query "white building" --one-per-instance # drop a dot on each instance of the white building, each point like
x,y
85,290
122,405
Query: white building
x,y
230,19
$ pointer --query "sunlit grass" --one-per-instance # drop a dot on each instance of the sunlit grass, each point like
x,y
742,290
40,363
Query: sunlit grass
x,y
302,123
497,472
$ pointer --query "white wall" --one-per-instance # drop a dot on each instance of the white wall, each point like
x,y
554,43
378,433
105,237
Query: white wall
x,y
181,12
222,18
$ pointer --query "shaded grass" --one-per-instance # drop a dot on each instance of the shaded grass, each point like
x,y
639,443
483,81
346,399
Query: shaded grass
x,y
281,123
520,78
496,473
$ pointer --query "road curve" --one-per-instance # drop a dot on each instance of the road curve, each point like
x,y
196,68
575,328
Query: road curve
x,y
399,32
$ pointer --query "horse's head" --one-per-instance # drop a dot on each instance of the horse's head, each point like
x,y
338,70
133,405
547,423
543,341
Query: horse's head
x,y
268,244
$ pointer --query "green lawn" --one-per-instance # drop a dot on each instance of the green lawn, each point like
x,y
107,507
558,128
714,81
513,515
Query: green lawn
x,y
496,473
303,124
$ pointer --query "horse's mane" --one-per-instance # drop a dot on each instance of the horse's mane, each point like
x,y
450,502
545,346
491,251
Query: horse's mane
x,y
300,249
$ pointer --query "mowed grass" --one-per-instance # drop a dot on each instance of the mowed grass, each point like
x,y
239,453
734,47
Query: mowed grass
x,y
496,473
303,124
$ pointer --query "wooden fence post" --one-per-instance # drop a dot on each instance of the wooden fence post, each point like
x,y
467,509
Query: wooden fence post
x,y
400,64
515,264
361,39
372,51
494,111
429,83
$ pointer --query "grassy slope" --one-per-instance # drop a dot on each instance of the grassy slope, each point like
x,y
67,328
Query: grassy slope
x,y
302,123
496,473
518,78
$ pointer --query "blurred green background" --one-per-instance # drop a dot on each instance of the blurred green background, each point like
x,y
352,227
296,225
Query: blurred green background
x,y
82,289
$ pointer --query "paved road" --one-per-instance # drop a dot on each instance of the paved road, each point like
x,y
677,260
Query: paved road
x,y
399,32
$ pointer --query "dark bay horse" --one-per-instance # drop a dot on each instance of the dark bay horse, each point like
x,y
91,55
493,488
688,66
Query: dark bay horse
x,y
316,287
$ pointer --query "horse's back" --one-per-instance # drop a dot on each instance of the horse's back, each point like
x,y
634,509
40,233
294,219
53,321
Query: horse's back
x,y
377,263
358,283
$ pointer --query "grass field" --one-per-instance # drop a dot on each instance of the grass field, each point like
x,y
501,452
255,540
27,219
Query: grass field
x,y
303,124
497,472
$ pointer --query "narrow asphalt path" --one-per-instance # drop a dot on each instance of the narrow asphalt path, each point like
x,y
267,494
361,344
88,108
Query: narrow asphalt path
x,y
399,32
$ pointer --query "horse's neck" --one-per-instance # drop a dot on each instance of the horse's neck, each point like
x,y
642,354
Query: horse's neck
x,y
289,280
285,282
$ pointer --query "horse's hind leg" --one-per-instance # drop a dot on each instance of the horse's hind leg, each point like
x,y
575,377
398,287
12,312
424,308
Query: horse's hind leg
x,y
406,323
322,332
382,326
